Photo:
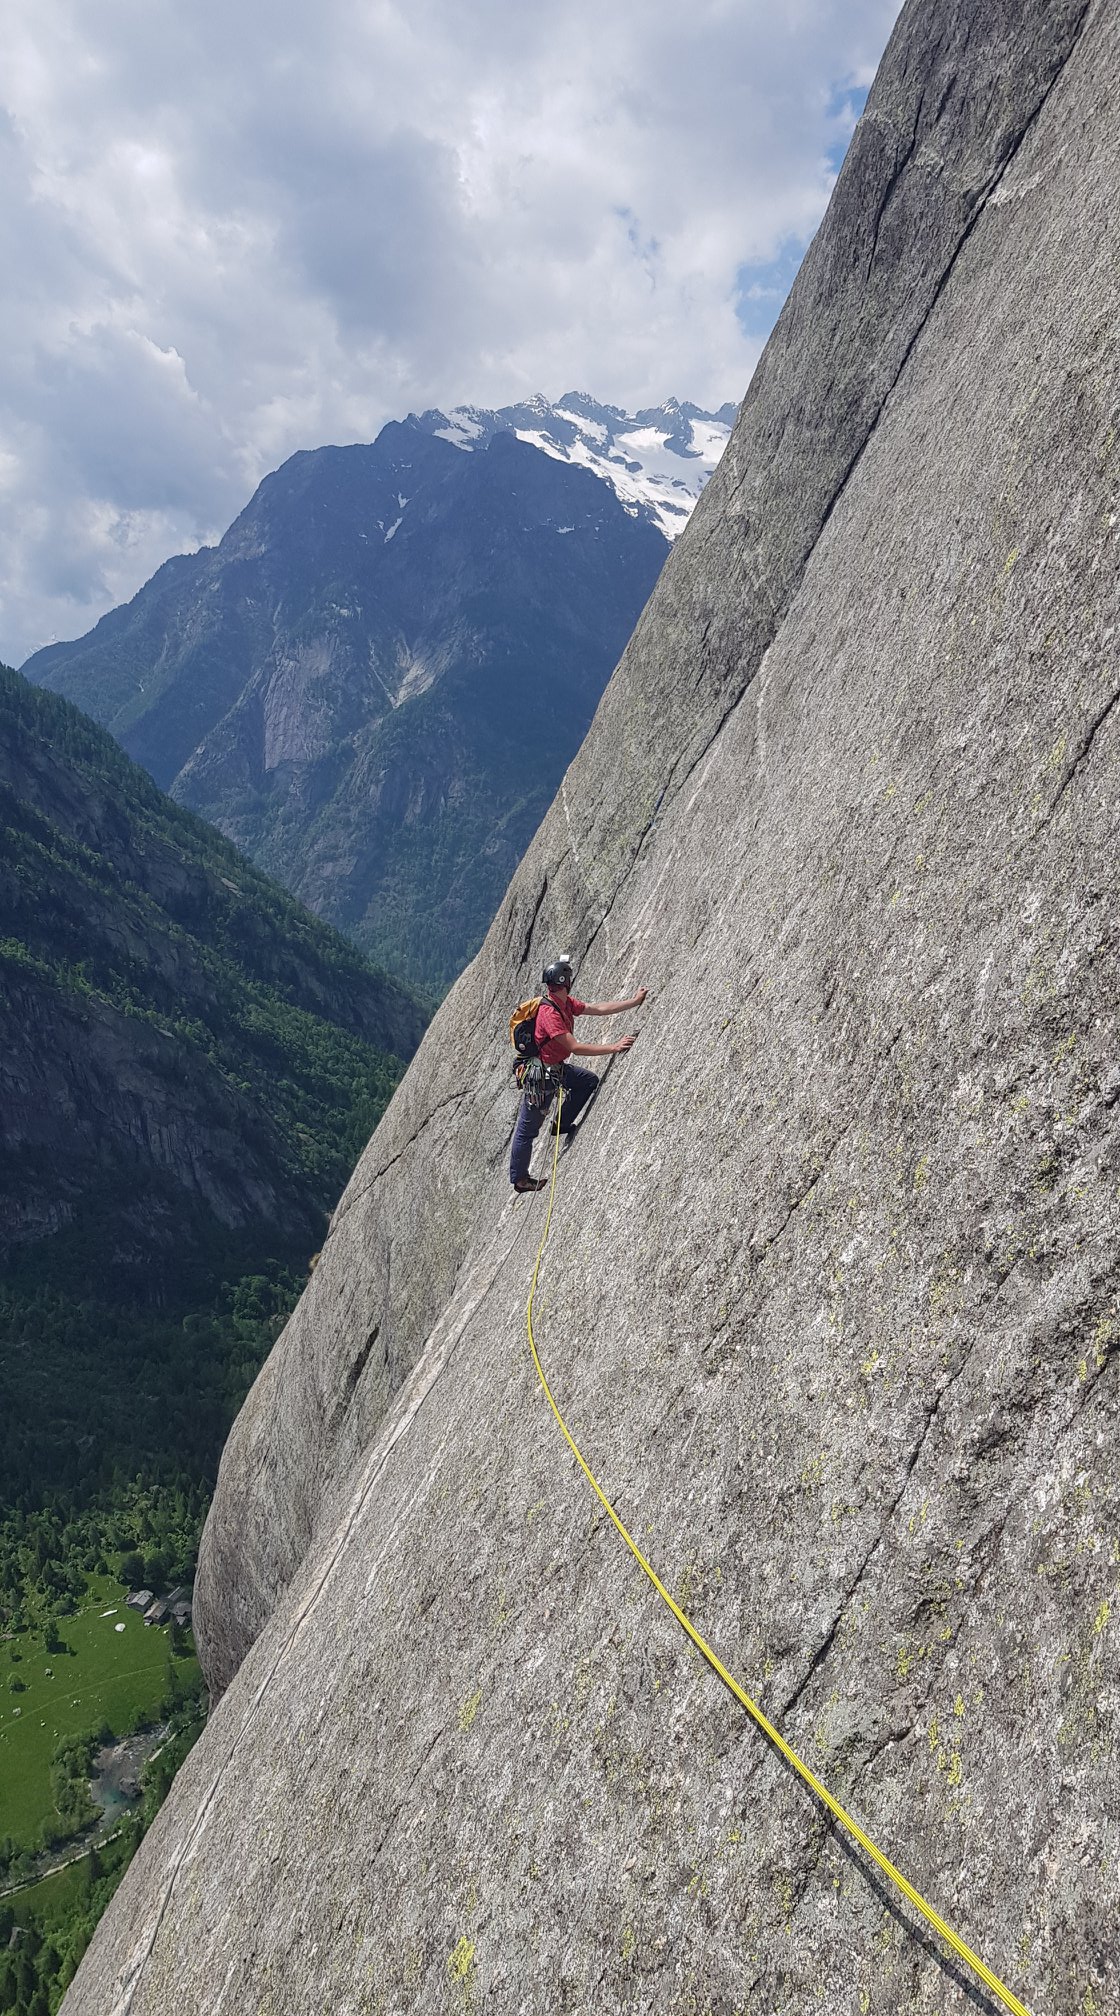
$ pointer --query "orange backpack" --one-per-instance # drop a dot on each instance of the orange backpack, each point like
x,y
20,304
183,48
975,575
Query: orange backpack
x,y
523,1027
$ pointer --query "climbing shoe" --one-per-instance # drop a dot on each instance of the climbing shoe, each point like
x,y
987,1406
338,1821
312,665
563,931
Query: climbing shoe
x,y
532,1183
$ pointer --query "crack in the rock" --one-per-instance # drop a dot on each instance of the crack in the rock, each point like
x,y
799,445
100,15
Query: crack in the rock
x,y
901,165
797,1202
825,1647
399,1809
837,1141
931,1414
354,1374
893,1734
985,1550
1084,751
1097,1361
350,1199
533,922
639,844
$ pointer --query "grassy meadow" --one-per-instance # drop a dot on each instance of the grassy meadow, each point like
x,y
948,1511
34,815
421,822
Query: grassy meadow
x,y
106,1674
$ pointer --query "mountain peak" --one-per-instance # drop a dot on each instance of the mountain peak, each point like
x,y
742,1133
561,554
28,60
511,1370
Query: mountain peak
x,y
656,460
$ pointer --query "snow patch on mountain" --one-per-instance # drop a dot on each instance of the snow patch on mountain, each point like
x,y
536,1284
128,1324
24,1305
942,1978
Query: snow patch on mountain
x,y
657,461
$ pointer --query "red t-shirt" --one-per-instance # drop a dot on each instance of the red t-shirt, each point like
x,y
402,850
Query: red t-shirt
x,y
553,1021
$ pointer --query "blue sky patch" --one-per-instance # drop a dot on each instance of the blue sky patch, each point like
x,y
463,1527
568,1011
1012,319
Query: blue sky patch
x,y
844,108
761,289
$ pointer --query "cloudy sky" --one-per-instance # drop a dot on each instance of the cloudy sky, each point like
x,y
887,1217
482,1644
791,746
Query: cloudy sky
x,y
230,231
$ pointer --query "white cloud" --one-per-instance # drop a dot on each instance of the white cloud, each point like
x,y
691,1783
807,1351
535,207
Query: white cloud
x,y
232,232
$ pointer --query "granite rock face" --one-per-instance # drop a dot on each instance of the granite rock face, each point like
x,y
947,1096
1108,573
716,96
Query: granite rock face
x,y
831,1299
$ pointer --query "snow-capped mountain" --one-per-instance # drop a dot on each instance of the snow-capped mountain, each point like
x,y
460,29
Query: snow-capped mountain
x,y
657,461
377,679
359,683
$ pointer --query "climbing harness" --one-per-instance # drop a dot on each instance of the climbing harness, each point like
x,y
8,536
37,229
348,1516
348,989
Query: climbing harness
x,y
963,1952
537,1081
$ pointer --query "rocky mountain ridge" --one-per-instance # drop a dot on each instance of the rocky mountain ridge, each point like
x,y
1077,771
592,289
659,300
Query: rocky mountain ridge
x,y
831,1296
373,684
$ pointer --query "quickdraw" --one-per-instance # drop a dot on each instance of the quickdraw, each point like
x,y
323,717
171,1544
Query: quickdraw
x,y
537,1081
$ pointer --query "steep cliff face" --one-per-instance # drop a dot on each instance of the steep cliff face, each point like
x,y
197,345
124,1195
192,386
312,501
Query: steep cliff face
x,y
831,1298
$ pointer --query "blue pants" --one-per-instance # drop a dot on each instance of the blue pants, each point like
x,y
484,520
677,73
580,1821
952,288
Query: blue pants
x,y
578,1088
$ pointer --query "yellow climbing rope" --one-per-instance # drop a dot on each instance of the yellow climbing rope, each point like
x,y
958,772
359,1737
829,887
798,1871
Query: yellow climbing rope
x,y
900,1882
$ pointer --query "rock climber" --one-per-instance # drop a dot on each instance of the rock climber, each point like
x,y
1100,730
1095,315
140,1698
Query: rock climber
x,y
555,1020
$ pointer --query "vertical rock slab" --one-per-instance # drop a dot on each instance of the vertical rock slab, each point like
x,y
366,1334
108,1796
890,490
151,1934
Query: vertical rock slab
x,y
959,89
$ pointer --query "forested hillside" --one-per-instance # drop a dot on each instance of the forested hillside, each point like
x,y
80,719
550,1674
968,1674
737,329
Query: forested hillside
x,y
189,1065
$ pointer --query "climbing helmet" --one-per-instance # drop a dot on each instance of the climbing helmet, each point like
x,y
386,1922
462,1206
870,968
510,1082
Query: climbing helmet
x,y
559,972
